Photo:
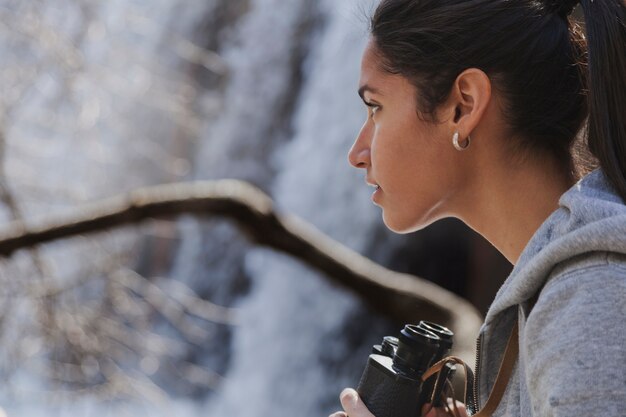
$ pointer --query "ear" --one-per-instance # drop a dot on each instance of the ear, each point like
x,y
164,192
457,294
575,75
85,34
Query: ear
x,y
468,100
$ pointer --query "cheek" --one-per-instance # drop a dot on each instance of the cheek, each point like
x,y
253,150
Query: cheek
x,y
420,170
406,150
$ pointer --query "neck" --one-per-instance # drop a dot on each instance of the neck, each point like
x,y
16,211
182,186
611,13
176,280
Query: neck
x,y
507,206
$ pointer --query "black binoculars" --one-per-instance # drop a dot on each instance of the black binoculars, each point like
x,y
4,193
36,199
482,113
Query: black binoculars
x,y
391,385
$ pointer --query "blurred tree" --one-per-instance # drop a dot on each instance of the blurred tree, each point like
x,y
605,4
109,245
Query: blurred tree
x,y
65,91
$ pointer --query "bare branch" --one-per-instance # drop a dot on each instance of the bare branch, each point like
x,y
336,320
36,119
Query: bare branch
x,y
402,296
177,301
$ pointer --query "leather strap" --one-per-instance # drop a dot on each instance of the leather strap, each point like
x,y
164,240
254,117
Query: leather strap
x,y
437,367
502,379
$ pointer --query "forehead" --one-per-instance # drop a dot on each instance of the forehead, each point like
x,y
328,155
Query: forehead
x,y
370,64
376,80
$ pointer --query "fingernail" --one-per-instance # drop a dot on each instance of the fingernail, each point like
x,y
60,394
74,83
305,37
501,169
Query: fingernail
x,y
349,397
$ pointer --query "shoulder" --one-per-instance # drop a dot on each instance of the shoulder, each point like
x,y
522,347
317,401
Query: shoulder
x,y
592,283
611,262
575,334
581,308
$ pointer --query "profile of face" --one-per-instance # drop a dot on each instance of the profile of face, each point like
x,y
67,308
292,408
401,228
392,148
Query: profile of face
x,y
410,159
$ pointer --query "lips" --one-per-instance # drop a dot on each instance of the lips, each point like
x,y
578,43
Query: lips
x,y
377,192
372,183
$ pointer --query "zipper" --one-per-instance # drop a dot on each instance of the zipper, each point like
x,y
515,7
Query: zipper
x,y
476,393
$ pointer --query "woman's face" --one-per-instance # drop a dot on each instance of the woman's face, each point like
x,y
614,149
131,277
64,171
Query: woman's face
x,y
412,161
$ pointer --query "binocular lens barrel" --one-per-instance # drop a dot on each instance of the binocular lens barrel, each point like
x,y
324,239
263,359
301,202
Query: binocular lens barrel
x,y
389,346
417,349
444,334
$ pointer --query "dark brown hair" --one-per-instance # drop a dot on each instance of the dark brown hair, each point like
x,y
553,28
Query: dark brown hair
x,y
551,78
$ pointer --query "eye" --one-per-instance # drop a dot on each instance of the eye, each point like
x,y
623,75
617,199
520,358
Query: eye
x,y
372,108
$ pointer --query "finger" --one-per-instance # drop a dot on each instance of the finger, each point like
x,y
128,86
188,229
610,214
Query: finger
x,y
429,411
460,407
353,405
338,414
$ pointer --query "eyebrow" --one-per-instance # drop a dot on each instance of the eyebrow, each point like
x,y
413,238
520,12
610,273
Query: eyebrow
x,y
365,88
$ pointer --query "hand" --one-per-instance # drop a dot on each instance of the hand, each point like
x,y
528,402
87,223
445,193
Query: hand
x,y
428,411
352,405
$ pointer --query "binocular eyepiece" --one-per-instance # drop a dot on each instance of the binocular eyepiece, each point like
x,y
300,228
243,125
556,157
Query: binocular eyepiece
x,y
391,384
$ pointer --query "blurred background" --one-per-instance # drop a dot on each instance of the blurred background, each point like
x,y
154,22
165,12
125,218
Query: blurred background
x,y
185,316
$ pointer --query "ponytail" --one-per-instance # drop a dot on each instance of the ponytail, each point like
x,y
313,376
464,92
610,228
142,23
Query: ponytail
x,y
606,131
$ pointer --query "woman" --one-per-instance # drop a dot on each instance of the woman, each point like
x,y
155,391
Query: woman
x,y
473,110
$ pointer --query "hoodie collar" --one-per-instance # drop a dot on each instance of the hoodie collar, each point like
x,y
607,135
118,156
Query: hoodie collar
x,y
591,217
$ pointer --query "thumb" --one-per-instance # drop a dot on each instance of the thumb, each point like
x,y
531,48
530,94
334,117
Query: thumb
x,y
353,405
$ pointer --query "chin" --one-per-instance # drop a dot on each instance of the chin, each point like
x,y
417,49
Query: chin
x,y
410,225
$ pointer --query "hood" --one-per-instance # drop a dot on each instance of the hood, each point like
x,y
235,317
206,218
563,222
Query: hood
x,y
591,217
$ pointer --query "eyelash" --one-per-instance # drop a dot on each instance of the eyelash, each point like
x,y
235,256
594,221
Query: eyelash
x,y
375,107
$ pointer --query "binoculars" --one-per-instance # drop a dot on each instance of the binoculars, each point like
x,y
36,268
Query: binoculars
x,y
391,385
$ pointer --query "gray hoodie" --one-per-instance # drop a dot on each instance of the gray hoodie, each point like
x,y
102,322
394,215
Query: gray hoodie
x,y
572,336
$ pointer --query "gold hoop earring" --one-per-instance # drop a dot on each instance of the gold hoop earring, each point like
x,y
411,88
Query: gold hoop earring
x,y
455,142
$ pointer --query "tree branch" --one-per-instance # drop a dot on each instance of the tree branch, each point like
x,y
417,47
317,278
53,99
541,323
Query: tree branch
x,y
403,297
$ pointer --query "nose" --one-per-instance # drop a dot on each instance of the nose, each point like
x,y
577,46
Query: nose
x,y
359,155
